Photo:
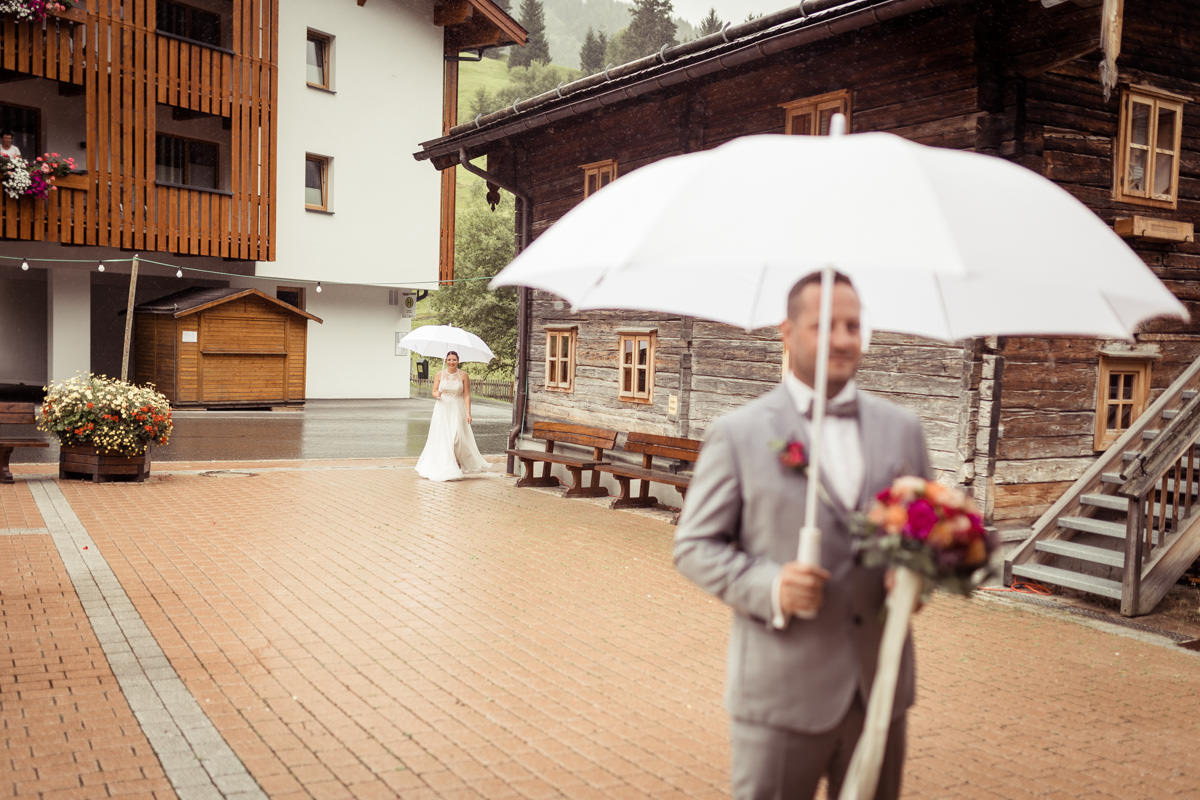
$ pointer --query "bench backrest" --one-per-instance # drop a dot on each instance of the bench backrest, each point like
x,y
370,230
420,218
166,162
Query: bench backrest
x,y
17,414
651,444
598,438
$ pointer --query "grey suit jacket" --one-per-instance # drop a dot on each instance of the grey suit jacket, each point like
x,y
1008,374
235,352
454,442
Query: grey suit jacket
x,y
740,523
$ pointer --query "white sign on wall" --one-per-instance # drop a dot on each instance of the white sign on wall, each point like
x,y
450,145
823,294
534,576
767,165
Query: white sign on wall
x,y
190,336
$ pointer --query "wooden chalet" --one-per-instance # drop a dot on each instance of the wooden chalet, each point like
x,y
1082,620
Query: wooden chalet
x,y
1051,433
222,347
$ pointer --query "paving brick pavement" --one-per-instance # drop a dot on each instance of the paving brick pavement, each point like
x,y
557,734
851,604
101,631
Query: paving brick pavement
x,y
351,630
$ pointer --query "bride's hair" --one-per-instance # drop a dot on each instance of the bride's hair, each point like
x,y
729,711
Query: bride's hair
x,y
452,353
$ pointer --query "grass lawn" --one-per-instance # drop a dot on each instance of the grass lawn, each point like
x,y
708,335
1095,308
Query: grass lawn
x,y
490,74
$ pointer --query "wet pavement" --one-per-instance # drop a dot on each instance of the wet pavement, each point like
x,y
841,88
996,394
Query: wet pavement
x,y
345,629
321,429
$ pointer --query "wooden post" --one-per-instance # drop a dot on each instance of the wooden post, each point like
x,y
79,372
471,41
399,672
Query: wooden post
x,y
129,320
1131,580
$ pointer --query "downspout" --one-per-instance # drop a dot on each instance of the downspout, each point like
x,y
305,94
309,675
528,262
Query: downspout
x,y
524,225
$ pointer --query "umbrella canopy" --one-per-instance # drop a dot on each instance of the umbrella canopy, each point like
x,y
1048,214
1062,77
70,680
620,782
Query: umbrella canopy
x,y
435,340
940,243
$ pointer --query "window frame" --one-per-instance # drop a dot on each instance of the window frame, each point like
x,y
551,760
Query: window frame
x,y
566,365
326,162
188,142
604,172
326,42
636,336
36,113
838,102
190,11
299,290
1158,100
1140,370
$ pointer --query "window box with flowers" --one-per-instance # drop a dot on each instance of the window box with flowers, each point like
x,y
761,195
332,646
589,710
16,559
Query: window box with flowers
x,y
105,426
36,179
34,10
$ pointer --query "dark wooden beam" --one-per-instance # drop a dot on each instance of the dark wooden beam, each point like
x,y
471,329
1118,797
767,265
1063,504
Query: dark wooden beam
x,y
472,35
452,12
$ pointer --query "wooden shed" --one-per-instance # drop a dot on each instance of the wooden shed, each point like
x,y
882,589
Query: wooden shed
x,y
222,348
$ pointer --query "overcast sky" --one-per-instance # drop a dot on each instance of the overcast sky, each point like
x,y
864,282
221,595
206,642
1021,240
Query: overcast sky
x,y
734,11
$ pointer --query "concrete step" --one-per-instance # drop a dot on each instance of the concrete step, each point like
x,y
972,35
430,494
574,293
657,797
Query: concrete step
x,y
1110,501
1072,580
1089,525
1083,552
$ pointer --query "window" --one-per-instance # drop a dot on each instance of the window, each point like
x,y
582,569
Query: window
x,y
188,22
813,115
186,162
26,125
598,175
319,50
292,295
1147,168
316,182
1124,388
560,359
635,366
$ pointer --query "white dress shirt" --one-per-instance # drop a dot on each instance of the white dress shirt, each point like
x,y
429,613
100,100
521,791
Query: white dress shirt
x,y
841,456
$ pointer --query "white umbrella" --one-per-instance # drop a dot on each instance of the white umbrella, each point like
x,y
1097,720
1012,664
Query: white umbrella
x,y
939,243
435,340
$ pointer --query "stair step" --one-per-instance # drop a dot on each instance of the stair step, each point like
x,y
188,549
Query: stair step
x,y
1150,433
1111,477
1188,394
1112,502
1170,413
1083,552
1072,580
1089,525
1130,455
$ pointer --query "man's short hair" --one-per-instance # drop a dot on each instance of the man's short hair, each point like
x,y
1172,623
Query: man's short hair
x,y
793,299
6,133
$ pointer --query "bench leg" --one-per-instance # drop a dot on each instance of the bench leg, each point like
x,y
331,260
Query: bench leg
x,y
682,496
579,490
5,474
530,478
627,500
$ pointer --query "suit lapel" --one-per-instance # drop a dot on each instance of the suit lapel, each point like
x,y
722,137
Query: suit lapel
x,y
792,425
870,432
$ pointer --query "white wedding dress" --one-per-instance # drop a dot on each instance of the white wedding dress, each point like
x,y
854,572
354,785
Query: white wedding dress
x,y
450,451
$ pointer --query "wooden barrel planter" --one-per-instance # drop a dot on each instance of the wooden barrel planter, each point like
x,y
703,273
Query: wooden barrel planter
x,y
82,461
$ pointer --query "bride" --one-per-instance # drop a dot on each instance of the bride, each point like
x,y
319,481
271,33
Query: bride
x,y
450,450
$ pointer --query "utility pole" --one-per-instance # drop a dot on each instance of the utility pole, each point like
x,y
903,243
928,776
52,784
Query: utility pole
x,y
129,319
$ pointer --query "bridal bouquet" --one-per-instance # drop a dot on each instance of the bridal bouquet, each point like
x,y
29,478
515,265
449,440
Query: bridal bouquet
x,y
932,536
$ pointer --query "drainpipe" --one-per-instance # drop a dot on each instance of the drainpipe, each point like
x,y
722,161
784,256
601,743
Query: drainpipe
x,y
524,225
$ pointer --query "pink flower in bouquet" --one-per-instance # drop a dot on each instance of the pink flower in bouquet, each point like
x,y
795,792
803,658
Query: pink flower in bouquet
x,y
921,519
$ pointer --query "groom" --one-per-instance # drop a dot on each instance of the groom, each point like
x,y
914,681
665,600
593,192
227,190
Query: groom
x,y
797,687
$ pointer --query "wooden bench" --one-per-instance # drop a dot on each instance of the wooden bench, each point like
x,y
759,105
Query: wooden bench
x,y
16,414
599,439
651,445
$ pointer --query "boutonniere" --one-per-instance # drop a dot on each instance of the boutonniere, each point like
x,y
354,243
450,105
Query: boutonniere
x,y
792,455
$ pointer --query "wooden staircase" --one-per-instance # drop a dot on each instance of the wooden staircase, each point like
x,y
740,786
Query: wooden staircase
x,y
1130,526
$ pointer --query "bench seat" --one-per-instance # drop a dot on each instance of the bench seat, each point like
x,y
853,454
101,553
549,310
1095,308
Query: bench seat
x,y
16,414
599,439
650,445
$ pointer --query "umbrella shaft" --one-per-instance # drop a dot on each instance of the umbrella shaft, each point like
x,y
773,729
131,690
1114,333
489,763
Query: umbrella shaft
x,y
819,391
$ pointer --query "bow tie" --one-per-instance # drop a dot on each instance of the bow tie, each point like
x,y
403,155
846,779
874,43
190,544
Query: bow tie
x,y
842,408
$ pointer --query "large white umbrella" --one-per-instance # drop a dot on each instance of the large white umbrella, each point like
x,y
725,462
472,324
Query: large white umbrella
x,y
939,243
436,340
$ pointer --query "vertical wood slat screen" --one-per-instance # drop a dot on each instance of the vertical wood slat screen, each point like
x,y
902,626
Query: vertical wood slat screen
x,y
126,69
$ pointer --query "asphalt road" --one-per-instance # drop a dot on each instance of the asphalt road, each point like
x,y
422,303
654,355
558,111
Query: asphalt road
x,y
322,429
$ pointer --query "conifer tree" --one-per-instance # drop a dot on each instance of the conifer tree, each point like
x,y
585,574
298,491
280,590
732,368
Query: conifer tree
x,y
591,55
650,28
710,24
533,19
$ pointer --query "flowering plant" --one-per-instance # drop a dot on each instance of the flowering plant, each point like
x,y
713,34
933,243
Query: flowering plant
x,y
792,455
113,416
929,528
33,10
24,179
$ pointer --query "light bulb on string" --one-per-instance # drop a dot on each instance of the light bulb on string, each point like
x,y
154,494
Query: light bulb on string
x,y
100,267
24,265
318,287
179,273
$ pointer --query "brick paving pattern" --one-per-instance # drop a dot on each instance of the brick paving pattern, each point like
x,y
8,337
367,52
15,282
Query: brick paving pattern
x,y
354,631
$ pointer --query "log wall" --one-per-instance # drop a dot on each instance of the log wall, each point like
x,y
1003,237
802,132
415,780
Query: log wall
x,y
111,49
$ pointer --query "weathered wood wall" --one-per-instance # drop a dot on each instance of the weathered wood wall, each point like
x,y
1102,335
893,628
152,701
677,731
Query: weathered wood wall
x,y
1049,385
125,69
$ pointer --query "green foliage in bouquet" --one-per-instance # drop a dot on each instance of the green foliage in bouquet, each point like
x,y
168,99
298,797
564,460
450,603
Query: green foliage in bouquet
x,y
112,415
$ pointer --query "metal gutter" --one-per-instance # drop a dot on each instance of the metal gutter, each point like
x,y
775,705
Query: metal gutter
x,y
808,22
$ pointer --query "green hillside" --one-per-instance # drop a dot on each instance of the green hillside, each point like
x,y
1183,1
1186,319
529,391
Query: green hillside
x,y
490,74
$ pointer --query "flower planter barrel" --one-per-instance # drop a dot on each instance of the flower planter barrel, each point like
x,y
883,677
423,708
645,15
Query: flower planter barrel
x,y
84,461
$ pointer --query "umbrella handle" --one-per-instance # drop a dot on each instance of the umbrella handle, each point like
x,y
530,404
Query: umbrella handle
x,y
808,550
